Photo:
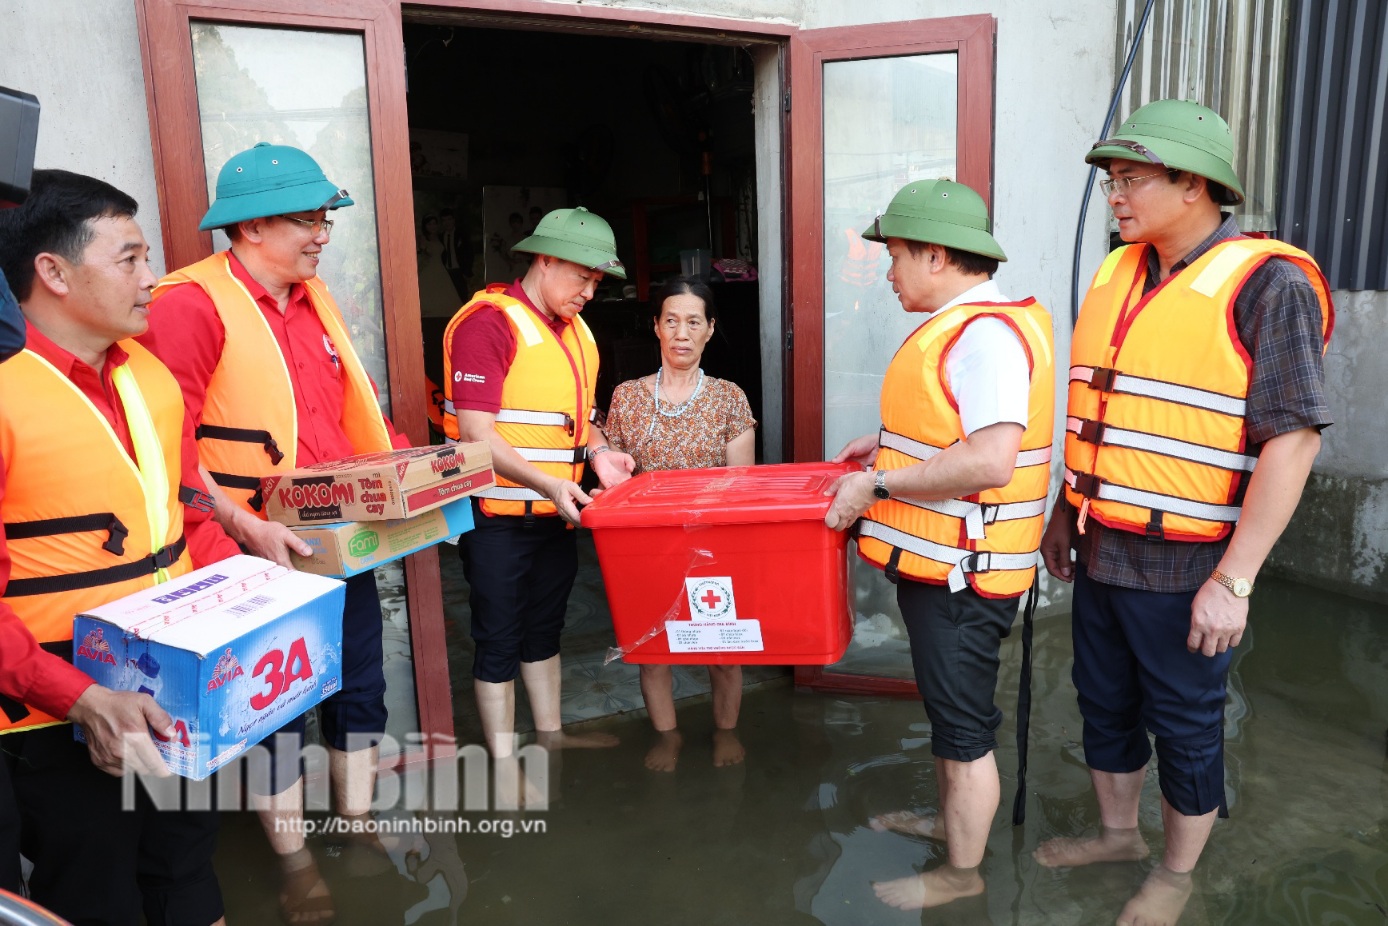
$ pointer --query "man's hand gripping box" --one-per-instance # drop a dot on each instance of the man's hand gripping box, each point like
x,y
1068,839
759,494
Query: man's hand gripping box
x,y
232,651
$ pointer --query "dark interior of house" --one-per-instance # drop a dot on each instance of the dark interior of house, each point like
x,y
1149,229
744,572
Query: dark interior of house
x,y
655,136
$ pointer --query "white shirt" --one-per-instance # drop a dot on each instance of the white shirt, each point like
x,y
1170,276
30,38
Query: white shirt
x,y
987,367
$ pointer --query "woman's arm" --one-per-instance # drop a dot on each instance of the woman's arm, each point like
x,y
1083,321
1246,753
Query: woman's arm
x,y
742,450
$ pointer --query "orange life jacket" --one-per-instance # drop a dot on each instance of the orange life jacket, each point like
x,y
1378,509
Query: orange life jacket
x,y
84,523
1155,441
546,400
987,540
250,427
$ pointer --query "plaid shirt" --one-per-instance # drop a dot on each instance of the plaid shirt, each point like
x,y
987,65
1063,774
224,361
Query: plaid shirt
x,y
1278,318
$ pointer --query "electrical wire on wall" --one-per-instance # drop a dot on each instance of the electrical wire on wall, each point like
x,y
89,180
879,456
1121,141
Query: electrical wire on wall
x,y
1093,169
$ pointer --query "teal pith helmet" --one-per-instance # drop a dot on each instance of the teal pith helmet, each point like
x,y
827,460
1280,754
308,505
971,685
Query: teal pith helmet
x,y
938,212
576,235
270,180
1181,135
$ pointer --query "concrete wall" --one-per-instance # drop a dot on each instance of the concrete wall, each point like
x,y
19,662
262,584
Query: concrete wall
x,y
1339,536
81,58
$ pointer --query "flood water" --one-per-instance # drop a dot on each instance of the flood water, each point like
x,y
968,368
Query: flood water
x,y
783,838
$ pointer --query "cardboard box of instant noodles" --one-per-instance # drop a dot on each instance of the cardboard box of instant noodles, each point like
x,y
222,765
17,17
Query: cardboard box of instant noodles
x,y
378,486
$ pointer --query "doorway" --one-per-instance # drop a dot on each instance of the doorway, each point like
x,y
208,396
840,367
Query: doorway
x,y
659,136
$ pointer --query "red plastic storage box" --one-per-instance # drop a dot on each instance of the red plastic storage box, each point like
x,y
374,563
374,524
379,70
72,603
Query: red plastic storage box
x,y
725,566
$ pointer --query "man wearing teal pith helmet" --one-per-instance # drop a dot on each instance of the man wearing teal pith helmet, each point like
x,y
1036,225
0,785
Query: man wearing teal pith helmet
x,y
272,382
1196,400
520,370
951,508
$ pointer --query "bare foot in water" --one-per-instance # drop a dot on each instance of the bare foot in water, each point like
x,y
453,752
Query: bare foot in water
x,y
666,751
930,889
1159,901
558,739
1109,846
517,789
911,824
727,748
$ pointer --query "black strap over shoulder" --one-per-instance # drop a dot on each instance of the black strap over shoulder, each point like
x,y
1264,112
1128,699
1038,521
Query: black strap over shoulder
x,y
48,585
242,435
78,524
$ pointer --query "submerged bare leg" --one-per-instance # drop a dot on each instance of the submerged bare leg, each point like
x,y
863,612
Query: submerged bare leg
x,y
1118,839
931,889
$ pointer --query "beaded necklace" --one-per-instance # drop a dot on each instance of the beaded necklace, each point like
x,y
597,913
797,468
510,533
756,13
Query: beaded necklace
x,y
678,409
683,406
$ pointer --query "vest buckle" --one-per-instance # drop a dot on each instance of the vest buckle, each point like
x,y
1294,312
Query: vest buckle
x,y
1103,379
273,449
569,424
115,538
981,561
164,558
1087,484
1092,432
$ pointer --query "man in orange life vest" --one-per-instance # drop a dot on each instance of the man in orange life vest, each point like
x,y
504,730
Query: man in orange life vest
x,y
953,506
272,382
1196,356
520,369
91,427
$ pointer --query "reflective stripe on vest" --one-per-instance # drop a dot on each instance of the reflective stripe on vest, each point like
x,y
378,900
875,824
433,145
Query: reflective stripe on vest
x,y
945,542
1156,442
1091,486
246,433
546,400
963,561
922,451
77,541
1096,432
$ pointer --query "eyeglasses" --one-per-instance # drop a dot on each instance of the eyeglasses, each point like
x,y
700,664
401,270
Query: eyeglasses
x,y
319,226
1125,184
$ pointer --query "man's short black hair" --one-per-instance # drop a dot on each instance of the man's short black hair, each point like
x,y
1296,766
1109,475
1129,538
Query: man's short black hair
x,y
55,219
964,261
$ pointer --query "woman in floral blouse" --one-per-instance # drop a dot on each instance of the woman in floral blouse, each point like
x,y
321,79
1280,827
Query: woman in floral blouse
x,y
678,418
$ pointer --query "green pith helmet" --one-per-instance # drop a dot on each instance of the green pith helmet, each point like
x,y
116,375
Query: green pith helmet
x,y
1181,135
938,212
576,235
270,180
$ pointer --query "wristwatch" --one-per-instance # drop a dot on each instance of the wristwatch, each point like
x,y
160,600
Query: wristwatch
x,y
879,484
1241,588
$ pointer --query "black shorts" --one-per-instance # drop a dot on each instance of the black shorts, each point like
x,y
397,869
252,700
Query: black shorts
x,y
955,637
96,863
520,573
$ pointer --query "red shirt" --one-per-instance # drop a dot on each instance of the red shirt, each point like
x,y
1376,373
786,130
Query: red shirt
x,y
186,333
28,673
484,347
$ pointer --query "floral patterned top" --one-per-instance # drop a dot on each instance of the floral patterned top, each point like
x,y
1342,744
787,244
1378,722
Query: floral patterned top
x,y
698,438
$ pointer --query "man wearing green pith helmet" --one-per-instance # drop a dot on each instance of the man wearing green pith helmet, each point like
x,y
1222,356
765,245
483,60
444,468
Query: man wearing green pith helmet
x,y
951,510
520,370
1195,405
271,381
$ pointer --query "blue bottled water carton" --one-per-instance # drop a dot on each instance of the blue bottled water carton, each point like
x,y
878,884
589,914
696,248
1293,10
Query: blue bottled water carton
x,y
232,651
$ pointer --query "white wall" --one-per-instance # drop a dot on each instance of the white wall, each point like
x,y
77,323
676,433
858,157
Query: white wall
x,y
81,58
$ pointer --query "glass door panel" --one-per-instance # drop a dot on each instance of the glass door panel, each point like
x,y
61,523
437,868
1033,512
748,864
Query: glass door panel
x,y
308,89
887,121
872,108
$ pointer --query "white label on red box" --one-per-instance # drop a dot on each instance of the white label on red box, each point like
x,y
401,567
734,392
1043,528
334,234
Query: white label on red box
x,y
726,636
711,598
